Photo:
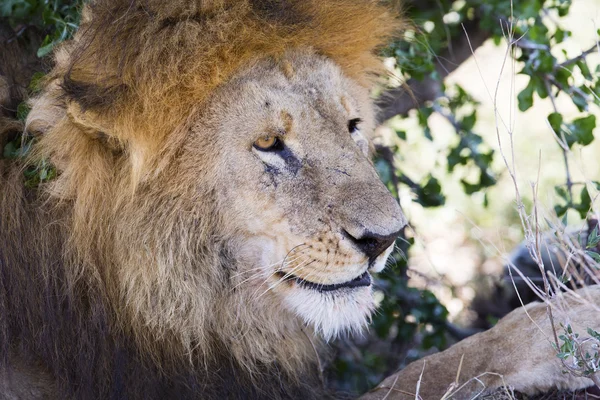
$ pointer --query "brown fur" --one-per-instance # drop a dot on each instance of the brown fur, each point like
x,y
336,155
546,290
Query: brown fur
x,y
122,276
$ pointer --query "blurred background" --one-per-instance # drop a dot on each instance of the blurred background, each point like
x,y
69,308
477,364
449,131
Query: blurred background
x,y
483,99
474,80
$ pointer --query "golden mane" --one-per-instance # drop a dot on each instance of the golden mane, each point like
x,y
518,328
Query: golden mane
x,y
136,69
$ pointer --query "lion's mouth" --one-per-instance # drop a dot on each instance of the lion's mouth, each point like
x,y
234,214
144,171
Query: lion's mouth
x,y
360,281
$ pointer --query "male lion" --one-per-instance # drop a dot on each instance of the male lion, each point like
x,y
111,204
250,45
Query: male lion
x,y
214,207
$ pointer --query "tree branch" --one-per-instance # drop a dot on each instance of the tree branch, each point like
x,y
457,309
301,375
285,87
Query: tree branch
x,y
579,57
415,93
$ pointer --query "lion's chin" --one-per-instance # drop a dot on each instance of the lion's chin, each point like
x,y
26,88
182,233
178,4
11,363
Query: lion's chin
x,y
333,312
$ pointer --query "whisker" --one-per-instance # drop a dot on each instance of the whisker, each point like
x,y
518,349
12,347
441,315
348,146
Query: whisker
x,y
290,273
287,275
283,264
261,271
270,265
262,267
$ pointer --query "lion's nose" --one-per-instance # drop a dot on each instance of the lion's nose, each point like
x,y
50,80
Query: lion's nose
x,y
372,244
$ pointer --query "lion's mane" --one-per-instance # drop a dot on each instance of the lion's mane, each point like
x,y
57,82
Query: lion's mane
x,y
100,268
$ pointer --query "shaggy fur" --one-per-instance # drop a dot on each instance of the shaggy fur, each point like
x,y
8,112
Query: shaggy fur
x,y
167,57
121,278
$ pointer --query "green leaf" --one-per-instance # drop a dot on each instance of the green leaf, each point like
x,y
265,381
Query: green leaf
x,y
585,202
468,122
525,97
581,130
35,85
539,84
22,111
593,255
456,157
10,150
559,35
470,188
562,192
423,115
430,194
45,50
384,170
585,70
555,119
580,101
593,333
560,210
593,238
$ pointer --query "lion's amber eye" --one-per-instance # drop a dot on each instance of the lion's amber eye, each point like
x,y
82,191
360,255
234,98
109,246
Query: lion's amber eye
x,y
267,143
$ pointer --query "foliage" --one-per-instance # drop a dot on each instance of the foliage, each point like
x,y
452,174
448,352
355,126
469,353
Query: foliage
x,y
579,354
57,20
533,26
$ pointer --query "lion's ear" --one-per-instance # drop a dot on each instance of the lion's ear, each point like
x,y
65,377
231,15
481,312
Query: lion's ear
x,y
143,153
89,123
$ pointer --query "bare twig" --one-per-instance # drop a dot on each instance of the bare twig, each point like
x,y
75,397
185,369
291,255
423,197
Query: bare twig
x,y
573,60
565,149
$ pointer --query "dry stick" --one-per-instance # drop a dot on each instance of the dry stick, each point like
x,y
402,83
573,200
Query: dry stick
x,y
564,149
569,184
569,89
512,171
594,377
417,397
391,388
539,253
454,384
477,379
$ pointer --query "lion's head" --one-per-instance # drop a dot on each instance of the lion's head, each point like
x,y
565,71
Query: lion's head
x,y
215,159
305,208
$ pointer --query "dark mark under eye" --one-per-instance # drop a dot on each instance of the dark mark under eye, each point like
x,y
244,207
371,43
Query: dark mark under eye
x,y
353,124
293,164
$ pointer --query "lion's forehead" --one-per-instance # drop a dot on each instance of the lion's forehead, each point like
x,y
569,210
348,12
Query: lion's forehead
x,y
311,91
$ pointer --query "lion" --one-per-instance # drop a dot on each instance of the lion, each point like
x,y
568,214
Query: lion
x,y
215,217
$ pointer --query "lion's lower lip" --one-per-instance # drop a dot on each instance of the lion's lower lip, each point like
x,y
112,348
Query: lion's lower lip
x,y
360,281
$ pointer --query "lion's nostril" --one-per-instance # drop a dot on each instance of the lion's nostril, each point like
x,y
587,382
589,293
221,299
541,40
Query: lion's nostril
x,y
372,244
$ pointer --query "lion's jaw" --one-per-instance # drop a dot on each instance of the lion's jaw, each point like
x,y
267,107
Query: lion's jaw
x,y
315,217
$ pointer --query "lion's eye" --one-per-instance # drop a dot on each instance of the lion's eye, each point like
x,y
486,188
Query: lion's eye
x,y
353,124
268,143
